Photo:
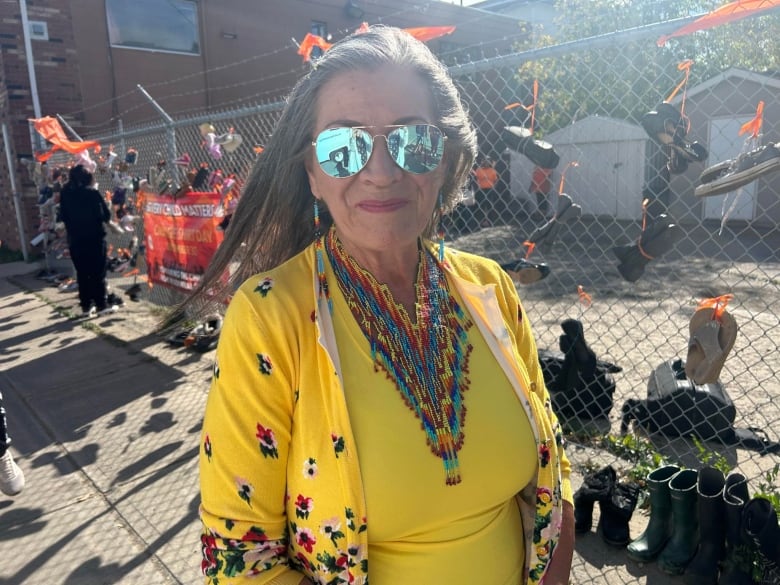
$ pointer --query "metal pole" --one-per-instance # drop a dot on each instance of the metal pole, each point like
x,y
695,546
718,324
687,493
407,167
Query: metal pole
x,y
16,196
69,129
170,133
34,139
121,129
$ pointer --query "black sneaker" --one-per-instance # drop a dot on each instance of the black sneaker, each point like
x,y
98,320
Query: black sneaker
x,y
745,169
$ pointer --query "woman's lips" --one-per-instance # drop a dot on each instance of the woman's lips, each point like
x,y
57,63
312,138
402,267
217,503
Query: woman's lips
x,y
382,206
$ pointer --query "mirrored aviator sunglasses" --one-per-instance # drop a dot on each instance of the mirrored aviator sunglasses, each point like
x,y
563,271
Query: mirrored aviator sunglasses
x,y
343,152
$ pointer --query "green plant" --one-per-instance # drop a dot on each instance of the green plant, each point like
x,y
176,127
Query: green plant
x,y
767,487
711,458
636,450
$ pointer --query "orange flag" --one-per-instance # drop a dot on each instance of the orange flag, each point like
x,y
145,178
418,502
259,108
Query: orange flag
x,y
309,42
730,12
51,130
428,33
754,126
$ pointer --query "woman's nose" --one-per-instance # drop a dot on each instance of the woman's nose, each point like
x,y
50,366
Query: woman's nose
x,y
380,166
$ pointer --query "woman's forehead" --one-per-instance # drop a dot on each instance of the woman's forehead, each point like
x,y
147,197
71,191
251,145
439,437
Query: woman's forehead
x,y
379,97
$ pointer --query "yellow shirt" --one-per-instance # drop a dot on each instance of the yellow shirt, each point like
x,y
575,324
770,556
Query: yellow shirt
x,y
282,493
422,530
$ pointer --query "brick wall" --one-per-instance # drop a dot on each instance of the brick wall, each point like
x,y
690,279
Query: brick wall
x,y
57,76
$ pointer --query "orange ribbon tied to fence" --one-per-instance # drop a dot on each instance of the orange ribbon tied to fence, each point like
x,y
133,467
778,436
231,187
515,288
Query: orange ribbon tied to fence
x,y
718,304
573,163
584,298
754,126
529,251
308,44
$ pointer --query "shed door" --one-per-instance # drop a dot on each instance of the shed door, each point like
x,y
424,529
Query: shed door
x,y
726,143
609,177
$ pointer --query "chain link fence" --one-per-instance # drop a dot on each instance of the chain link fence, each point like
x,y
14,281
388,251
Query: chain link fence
x,y
596,216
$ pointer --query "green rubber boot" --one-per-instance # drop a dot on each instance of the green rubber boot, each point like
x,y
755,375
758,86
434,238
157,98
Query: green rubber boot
x,y
659,528
703,569
684,542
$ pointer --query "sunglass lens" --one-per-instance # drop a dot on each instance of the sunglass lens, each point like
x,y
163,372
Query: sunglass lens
x,y
417,148
342,152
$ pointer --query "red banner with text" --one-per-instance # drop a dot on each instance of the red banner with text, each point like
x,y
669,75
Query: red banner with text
x,y
181,237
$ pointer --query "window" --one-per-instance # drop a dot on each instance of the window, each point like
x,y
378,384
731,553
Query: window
x,y
154,25
321,30
39,30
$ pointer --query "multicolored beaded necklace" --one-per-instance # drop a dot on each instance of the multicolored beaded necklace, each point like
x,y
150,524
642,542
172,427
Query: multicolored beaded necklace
x,y
427,361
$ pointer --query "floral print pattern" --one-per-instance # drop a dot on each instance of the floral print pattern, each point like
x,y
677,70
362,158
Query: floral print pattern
x,y
264,286
325,536
268,445
264,363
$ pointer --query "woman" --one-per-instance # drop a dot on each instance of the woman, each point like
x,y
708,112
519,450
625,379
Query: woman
x,y
335,442
84,212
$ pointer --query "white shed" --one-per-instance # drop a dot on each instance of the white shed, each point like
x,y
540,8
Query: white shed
x,y
610,166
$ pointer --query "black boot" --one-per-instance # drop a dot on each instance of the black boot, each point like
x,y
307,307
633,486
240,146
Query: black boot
x,y
616,512
761,526
596,487
656,239
682,546
659,529
703,569
737,562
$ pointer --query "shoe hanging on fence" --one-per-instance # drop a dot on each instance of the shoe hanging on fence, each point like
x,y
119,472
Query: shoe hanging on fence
x,y
656,239
539,152
713,331
730,175
545,235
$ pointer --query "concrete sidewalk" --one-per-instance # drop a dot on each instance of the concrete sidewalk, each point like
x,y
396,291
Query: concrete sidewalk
x,y
105,419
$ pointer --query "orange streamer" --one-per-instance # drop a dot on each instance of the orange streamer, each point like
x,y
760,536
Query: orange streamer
x,y
718,304
754,126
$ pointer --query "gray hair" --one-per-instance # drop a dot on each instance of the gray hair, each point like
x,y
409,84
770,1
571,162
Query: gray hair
x,y
274,214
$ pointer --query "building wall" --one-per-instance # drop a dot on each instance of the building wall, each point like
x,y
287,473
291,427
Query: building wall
x,y
247,55
57,74
247,52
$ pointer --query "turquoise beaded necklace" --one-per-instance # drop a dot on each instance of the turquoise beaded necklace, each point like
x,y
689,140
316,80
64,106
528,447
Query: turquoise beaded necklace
x,y
427,361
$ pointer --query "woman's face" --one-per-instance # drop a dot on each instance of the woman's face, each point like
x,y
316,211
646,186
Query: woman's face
x,y
382,207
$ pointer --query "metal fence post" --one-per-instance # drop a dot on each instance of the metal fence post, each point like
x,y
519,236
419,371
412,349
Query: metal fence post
x,y
170,132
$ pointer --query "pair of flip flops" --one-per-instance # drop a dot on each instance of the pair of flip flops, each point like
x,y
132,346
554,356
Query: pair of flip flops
x,y
713,331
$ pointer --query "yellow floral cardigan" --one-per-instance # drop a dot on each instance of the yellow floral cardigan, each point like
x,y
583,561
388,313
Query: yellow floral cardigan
x,y
280,480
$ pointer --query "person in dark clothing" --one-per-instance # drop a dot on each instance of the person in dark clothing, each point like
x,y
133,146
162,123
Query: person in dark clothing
x,y
84,212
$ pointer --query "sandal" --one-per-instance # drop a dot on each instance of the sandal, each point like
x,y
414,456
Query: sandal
x,y
712,336
526,272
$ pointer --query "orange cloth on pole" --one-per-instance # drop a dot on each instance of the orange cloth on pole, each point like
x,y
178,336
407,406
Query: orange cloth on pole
x,y
51,130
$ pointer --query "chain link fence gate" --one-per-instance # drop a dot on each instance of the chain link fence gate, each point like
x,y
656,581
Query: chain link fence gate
x,y
587,99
